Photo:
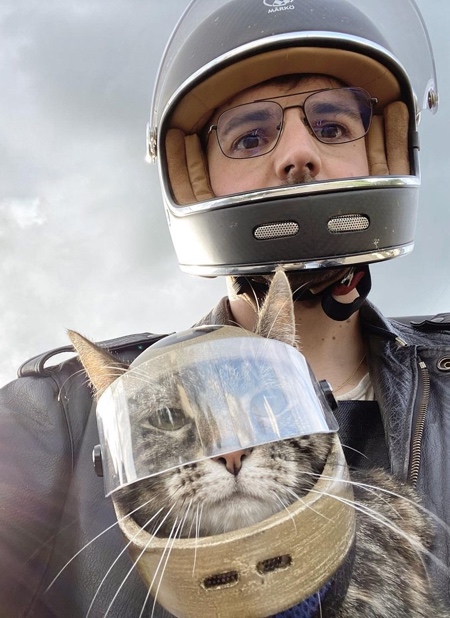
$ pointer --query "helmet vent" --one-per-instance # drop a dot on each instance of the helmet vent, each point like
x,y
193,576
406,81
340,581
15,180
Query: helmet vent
x,y
276,230
221,580
348,223
274,564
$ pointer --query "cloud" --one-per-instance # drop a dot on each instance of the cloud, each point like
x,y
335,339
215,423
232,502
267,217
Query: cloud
x,y
83,238
23,213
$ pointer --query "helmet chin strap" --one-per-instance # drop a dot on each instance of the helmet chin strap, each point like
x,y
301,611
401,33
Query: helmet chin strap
x,y
358,278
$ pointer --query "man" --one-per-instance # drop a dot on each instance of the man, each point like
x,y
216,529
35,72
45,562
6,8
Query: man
x,y
286,135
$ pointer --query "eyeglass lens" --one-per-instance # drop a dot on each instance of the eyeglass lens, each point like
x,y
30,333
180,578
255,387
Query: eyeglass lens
x,y
335,116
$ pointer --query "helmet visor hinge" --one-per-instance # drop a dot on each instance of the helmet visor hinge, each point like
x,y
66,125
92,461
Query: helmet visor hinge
x,y
152,149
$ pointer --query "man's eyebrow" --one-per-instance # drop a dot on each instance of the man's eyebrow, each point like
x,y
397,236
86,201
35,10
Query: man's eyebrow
x,y
335,108
251,115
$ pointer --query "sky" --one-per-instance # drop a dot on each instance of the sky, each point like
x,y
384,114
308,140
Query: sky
x,y
83,238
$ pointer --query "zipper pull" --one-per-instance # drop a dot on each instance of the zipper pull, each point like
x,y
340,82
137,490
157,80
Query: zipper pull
x,y
400,342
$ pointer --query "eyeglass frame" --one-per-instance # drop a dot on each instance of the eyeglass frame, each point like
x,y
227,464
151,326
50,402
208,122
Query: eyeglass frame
x,y
371,100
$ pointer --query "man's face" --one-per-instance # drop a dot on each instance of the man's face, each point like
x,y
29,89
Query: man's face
x,y
298,156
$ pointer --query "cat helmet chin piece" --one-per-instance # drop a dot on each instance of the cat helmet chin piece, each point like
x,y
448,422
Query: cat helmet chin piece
x,y
304,551
292,559
222,47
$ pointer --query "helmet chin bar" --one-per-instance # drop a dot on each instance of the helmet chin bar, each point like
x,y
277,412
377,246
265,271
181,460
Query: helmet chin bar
x,y
224,241
260,570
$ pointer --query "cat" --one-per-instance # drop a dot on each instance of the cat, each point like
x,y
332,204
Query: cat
x,y
388,578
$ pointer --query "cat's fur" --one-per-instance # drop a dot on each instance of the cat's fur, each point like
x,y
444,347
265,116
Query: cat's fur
x,y
388,579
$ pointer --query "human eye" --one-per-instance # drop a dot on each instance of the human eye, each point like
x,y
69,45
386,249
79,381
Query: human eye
x,y
251,143
331,131
335,121
249,130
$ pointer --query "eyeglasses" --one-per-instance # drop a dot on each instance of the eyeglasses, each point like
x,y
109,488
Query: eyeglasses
x,y
333,115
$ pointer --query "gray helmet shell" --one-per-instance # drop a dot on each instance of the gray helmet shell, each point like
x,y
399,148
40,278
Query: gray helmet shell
x,y
220,48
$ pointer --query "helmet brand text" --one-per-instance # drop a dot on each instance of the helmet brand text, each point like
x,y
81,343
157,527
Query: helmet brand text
x,y
279,5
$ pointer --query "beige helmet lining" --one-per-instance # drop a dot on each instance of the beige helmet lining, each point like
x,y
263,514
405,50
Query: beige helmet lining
x,y
354,69
387,152
387,140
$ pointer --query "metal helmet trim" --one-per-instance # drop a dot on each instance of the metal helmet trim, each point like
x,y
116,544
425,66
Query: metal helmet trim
x,y
260,195
261,269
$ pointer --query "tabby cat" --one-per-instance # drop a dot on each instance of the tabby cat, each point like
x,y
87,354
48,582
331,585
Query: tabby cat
x,y
388,579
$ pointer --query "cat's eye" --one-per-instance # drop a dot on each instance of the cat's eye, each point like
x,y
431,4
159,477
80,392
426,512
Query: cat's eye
x,y
168,419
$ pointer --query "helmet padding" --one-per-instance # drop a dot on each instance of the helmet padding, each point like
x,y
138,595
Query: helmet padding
x,y
387,152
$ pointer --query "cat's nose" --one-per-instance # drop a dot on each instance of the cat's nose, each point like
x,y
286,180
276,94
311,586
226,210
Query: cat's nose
x,y
233,461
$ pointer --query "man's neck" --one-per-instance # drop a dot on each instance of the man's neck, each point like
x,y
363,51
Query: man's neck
x,y
334,350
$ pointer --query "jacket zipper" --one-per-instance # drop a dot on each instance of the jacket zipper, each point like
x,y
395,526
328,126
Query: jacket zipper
x,y
414,462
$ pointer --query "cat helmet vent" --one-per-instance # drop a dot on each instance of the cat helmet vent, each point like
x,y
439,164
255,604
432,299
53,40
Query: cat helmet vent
x,y
222,47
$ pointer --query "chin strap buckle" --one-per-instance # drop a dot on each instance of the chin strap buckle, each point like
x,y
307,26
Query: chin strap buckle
x,y
359,279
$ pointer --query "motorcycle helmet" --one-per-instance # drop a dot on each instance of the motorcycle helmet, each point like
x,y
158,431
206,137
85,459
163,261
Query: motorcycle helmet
x,y
222,47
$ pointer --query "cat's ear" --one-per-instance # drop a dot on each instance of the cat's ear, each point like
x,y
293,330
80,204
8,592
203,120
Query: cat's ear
x,y
101,367
276,317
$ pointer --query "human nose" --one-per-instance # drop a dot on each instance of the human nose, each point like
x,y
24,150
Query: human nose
x,y
233,461
297,158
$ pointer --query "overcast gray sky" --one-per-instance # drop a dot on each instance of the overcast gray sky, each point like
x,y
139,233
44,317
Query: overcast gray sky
x,y
83,238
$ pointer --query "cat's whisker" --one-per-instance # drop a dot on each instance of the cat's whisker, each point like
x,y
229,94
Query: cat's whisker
x,y
170,539
285,507
354,450
198,517
190,527
116,372
137,560
86,381
117,559
297,497
116,523
418,547
176,534
320,605
375,489
73,375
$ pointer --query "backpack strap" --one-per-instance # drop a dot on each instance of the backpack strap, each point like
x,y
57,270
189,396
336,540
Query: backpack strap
x,y
35,367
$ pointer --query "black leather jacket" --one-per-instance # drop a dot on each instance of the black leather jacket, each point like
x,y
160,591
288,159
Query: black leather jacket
x,y
52,504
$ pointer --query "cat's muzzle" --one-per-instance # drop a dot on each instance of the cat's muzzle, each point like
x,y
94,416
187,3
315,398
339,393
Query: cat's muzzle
x,y
256,571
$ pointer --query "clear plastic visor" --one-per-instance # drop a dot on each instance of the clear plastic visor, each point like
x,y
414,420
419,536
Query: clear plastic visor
x,y
205,400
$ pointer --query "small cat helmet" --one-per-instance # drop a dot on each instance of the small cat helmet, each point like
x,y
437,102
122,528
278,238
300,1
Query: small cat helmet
x,y
222,47
296,557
